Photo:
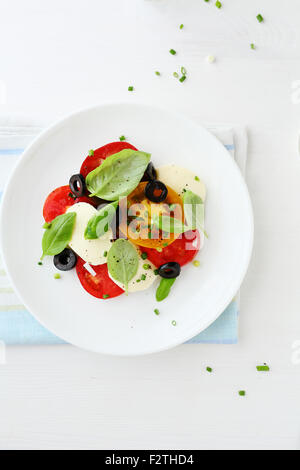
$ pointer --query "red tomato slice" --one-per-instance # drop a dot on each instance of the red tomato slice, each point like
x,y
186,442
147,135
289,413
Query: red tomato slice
x,y
57,203
92,162
60,200
100,285
182,250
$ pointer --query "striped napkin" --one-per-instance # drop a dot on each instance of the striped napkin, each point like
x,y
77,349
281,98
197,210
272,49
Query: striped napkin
x,y
17,326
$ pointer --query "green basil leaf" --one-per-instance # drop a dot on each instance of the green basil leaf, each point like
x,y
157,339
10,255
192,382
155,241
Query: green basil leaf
x,y
58,234
171,225
193,210
99,224
164,288
118,175
122,261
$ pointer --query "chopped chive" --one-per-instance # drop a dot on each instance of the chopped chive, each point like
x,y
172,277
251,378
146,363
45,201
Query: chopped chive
x,y
91,153
183,78
130,88
196,263
209,369
218,4
210,59
165,245
122,138
146,266
260,18
156,272
138,280
40,263
175,74
57,276
242,393
264,368
172,51
143,277
156,311
252,46
157,73
105,253
197,178
159,249
144,256
183,71
181,26
105,296
174,323
206,0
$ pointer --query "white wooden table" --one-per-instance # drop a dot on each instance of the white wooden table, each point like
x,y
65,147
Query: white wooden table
x,y
58,56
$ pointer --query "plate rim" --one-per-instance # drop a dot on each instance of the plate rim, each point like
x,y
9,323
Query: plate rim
x,y
176,114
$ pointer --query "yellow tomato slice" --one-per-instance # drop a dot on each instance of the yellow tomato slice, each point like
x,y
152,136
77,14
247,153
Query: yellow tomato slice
x,y
142,211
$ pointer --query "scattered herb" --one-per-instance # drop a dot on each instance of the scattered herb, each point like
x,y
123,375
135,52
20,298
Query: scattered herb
x,y
164,288
182,79
91,153
242,393
58,235
209,369
210,59
183,70
252,46
263,368
143,277
175,74
260,18
197,178
218,4
144,256
105,254
122,138
105,296
156,311
174,323
155,272
130,88
157,73
172,51
196,263
57,276
181,26
40,263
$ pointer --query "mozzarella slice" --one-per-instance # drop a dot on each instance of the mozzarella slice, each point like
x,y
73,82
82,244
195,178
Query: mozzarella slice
x,y
137,283
91,251
180,178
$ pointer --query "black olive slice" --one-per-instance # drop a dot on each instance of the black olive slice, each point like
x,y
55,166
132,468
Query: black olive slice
x,y
77,185
156,191
66,260
150,173
169,270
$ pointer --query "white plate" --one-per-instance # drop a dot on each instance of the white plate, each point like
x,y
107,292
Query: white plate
x,y
127,325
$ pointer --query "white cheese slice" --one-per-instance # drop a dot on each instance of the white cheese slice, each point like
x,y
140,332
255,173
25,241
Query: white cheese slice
x,y
180,178
91,251
137,283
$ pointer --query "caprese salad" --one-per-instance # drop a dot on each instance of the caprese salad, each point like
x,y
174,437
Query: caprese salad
x,y
124,224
